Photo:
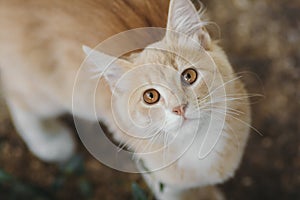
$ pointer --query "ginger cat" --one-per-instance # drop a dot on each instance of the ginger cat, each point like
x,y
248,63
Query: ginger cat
x,y
184,80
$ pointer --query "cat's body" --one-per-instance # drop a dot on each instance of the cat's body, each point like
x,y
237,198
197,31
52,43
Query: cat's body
x,y
40,54
41,49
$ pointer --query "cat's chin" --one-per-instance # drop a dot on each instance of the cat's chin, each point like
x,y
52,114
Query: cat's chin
x,y
192,124
189,121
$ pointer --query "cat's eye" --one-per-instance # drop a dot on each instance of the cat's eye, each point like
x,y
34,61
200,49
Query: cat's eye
x,y
151,96
189,76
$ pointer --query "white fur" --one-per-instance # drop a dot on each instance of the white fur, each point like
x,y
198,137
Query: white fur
x,y
108,66
47,139
196,144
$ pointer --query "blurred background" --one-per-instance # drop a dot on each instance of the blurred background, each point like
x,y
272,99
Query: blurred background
x,y
262,41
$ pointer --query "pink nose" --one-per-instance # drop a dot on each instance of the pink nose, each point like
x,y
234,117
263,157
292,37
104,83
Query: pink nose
x,y
179,110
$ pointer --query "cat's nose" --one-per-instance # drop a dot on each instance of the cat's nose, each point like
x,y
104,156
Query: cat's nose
x,y
179,110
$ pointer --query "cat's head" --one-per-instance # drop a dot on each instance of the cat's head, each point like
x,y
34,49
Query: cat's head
x,y
161,88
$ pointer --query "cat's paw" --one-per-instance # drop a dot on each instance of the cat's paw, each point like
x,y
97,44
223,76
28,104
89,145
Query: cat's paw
x,y
58,147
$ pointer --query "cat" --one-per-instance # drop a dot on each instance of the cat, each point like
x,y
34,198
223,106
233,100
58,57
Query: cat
x,y
187,98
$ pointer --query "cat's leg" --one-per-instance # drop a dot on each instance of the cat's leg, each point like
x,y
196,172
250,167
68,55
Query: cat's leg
x,y
165,192
48,139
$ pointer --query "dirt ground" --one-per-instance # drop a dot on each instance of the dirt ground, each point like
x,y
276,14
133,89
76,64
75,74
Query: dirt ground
x,y
262,40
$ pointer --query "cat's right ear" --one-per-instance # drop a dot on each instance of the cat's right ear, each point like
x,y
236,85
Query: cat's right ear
x,y
110,67
184,18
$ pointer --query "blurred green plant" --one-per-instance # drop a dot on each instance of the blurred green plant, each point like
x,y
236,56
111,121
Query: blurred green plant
x,y
137,192
74,167
11,188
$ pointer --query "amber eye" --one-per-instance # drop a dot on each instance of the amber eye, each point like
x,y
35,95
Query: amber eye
x,y
151,96
189,76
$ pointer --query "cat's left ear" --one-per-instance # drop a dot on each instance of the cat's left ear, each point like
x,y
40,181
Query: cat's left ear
x,y
184,18
110,67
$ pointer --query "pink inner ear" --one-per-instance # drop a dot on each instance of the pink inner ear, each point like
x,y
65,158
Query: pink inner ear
x,y
184,18
205,39
182,15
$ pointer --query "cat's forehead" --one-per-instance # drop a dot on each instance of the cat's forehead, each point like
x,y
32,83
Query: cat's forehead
x,y
155,56
150,73
178,57
164,63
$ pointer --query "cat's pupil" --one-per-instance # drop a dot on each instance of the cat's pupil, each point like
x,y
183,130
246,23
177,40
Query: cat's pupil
x,y
188,76
150,95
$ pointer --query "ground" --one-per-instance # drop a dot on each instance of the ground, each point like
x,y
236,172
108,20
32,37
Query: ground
x,y
262,40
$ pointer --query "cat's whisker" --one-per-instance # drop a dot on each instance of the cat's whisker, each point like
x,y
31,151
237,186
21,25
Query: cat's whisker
x,y
133,145
243,122
235,95
241,94
149,132
151,139
138,142
231,99
228,111
225,108
217,88
226,135
214,105
243,73
136,146
223,84
227,98
129,144
122,146
150,142
224,112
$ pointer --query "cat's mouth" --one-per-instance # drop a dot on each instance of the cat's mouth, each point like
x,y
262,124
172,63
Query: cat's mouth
x,y
184,120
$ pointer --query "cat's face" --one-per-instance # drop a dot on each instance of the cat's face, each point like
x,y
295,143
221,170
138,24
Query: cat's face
x,y
164,87
162,90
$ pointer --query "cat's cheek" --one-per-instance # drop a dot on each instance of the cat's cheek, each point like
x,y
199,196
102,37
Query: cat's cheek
x,y
192,112
162,100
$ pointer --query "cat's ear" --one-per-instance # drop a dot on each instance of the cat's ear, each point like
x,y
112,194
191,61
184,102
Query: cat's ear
x,y
110,67
184,18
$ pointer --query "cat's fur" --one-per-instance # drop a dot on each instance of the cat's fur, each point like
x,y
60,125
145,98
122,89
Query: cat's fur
x,y
40,54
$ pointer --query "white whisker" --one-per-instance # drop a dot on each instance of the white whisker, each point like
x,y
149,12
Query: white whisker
x,y
220,86
243,122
